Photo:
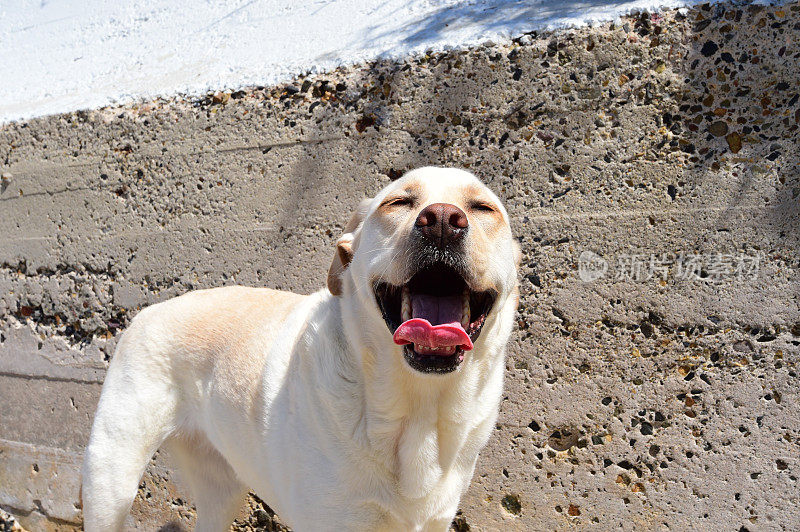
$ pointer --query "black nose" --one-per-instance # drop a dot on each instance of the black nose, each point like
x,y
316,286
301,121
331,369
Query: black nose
x,y
442,224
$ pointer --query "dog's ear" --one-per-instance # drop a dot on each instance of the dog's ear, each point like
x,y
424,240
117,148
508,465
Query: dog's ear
x,y
344,248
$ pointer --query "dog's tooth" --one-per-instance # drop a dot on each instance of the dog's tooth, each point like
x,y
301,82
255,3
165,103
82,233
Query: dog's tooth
x,y
405,306
465,309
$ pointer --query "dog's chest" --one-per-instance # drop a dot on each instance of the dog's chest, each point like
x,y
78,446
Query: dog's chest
x,y
390,507
431,465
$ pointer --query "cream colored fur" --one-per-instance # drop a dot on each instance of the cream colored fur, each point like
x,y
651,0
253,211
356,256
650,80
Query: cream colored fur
x,y
305,399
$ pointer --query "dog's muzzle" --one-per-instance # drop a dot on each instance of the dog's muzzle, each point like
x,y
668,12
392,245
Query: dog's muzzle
x,y
435,316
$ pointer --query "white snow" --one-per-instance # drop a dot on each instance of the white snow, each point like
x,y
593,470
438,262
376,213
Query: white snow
x,y
63,55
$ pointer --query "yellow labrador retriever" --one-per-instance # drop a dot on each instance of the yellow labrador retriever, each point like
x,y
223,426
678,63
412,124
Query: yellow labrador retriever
x,y
360,407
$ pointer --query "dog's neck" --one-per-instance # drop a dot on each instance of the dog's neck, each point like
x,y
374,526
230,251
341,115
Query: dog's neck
x,y
423,427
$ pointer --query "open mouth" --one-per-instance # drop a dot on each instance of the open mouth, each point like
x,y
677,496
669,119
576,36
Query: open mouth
x,y
435,316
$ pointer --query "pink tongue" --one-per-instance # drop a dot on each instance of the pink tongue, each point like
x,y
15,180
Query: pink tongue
x,y
445,312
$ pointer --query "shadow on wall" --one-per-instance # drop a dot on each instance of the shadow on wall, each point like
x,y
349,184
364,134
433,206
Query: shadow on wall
x,y
498,15
728,108
739,113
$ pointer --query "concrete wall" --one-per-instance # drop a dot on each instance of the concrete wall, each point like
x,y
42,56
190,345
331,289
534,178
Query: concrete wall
x,y
632,402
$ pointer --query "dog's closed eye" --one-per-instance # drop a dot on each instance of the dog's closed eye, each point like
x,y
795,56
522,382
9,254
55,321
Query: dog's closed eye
x,y
482,206
399,201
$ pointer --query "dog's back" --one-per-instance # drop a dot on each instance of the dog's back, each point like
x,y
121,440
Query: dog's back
x,y
173,356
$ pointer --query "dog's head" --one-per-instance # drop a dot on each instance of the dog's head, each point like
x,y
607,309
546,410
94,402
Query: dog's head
x,y
428,264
